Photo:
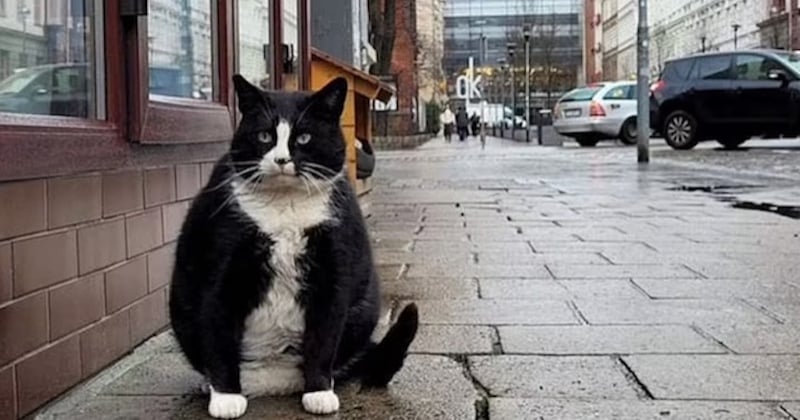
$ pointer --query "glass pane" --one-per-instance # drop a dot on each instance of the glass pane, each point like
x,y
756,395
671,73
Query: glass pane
x,y
254,46
179,40
47,59
291,45
714,67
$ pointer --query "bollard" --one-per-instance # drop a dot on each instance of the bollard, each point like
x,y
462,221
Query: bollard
x,y
539,131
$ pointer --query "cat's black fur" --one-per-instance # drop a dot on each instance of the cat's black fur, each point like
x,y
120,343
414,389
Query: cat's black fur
x,y
222,270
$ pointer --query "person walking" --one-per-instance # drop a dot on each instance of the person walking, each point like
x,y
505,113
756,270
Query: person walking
x,y
448,120
462,123
475,123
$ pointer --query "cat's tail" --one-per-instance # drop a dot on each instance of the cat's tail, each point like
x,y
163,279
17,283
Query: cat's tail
x,y
386,358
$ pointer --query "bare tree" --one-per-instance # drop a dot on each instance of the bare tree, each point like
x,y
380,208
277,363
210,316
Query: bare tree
x,y
382,33
545,41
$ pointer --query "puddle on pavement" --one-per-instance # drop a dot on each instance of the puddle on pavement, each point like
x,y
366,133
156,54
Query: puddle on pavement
x,y
725,193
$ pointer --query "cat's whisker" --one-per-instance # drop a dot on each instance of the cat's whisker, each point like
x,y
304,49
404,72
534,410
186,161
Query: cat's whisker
x,y
305,183
230,179
233,195
321,168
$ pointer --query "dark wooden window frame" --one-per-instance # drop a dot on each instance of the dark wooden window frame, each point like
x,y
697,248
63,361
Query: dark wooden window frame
x,y
139,130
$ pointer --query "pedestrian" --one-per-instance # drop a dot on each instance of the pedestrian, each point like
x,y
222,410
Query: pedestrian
x,y
475,122
462,123
448,120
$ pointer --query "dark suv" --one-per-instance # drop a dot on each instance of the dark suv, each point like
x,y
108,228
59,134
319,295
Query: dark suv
x,y
728,97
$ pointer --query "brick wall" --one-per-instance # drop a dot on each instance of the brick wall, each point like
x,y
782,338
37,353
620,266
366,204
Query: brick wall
x,y
84,265
404,59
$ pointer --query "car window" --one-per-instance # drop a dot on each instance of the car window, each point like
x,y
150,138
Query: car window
x,y
754,67
676,71
617,93
581,94
716,67
632,92
69,80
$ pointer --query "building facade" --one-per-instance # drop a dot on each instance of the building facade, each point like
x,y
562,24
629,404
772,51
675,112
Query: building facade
x,y
120,116
430,40
775,30
679,28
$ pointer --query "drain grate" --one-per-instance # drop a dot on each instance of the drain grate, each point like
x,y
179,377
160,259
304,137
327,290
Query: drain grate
x,y
788,211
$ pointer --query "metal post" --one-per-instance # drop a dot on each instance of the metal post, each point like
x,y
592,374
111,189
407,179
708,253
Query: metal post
x,y
526,34
643,88
736,27
790,25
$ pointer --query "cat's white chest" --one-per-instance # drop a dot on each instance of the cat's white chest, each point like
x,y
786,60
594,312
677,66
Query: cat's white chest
x,y
272,340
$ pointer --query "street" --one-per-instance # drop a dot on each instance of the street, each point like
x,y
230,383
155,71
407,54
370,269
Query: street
x,y
557,283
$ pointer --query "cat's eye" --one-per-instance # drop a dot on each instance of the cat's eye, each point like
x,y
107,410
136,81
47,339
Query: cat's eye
x,y
303,138
264,137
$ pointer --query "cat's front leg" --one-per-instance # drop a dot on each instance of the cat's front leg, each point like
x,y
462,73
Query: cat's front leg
x,y
222,370
325,320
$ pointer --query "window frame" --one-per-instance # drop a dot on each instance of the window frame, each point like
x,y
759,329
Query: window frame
x,y
138,131
170,120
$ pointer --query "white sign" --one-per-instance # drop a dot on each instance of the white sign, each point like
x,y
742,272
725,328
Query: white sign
x,y
468,86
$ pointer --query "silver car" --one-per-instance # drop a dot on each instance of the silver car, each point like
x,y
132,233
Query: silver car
x,y
596,112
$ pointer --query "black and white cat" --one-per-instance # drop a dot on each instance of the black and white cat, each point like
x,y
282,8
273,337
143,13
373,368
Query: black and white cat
x,y
274,289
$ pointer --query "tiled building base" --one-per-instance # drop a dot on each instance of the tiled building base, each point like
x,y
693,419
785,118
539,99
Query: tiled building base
x,y
85,261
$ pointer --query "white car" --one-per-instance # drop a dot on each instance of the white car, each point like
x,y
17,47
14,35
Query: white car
x,y
596,112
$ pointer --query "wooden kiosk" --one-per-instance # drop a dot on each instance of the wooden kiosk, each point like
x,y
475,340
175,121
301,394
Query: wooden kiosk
x,y
356,118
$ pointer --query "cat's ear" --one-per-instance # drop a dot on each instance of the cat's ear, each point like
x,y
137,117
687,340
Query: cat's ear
x,y
329,101
249,96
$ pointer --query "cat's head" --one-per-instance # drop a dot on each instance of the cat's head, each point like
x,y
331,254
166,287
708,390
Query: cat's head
x,y
288,140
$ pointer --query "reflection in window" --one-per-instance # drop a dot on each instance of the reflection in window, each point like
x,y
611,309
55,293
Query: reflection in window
x,y
254,45
47,64
179,42
291,42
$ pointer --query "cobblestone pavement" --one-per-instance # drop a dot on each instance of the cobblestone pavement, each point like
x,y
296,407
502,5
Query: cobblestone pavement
x,y
553,283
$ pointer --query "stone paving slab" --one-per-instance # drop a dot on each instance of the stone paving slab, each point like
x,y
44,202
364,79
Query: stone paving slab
x,y
454,339
792,408
127,407
531,258
512,409
522,289
552,377
768,339
685,311
598,340
724,377
703,288
544,246
431,288
478,270
602,288
163,375
495,312
592,271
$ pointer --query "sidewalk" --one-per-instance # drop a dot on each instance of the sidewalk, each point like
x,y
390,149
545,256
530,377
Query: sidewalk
x,y
552,283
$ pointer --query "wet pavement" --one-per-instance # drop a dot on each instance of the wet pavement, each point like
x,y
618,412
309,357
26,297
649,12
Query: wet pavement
x,y
553,283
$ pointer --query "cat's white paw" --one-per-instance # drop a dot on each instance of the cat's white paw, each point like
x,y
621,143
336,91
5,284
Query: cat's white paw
x,y
226,406
321,402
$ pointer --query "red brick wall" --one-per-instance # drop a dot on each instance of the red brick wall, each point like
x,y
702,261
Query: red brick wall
x,y
84,265
404,55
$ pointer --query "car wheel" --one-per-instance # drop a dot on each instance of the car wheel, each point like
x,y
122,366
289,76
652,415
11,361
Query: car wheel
x,y
730,143
680,130
628,132
587,141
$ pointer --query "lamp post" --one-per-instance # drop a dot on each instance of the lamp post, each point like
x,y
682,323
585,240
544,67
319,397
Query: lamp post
x,y
643,87
736,27
511,47
526,34
703,43
501,93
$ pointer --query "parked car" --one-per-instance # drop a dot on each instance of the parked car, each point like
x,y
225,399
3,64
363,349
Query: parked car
x,y
596,112
519,122
728,97
53,89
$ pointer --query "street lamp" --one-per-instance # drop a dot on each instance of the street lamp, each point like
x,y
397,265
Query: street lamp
x,y
736,27
511,65
526,34
501,93
703,43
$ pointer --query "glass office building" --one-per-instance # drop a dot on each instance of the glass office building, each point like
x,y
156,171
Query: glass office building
x,y
483,28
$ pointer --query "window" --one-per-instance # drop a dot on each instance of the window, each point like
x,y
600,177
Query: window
x,y
179,42
677,71
66,81
716,67
754,67
290,50
617,93
254,50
